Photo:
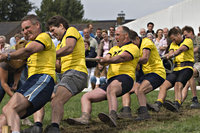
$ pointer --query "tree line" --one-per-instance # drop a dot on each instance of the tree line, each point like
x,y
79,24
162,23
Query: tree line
x,y
15,10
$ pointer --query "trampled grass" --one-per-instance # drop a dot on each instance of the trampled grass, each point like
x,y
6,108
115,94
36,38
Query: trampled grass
x,y
186,121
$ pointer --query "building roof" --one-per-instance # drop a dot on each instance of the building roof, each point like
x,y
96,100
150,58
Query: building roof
x,y
9,29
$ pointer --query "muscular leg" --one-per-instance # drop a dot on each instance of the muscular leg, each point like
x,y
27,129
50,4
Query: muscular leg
x,y
163,90
193,86
113,90
144,88
88,98
61,97
15,108
178,88
3,121
39,115
126,100
185,91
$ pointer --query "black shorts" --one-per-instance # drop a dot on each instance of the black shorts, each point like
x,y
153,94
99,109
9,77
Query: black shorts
x,y
38,89
127,83
180,76
154,79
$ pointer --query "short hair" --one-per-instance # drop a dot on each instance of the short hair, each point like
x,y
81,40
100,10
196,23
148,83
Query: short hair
x,y
85,29
99,29
88,25
188,29
104,30
133,35
126,30
33,18
112,27
19,35
3,37
158,31
142,29
88,42
150,23
174,31
150,35
56,21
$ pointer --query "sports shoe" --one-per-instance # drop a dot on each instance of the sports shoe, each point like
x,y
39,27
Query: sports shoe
x,y
174,107
51,129
153,107
83,120
142,114
124,113
32,129
107,119
77,121
195,104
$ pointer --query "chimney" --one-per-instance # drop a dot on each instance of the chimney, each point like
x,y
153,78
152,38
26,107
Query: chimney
x,y
120,18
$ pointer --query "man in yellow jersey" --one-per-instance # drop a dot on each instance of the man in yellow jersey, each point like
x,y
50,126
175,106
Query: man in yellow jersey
x,y
122,60
37,90
151,74
181,49
73,67
188,32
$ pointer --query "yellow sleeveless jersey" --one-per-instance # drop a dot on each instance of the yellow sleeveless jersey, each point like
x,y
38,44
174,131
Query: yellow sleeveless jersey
x,y
184,56
44,61
75,60
127,67
154,64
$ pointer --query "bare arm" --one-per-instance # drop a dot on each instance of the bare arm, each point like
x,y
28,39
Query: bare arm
x,y
68,49
58,66
173,53
125,56
145,56
196,49
22,53
4,79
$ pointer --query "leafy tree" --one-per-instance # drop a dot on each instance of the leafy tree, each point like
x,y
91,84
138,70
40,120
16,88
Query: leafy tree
x,y
14,10
72,10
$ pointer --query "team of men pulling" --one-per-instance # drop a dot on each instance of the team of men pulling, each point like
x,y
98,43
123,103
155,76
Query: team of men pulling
x,y
134,67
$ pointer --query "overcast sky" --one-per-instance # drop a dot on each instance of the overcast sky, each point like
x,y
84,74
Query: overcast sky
x,y
108,9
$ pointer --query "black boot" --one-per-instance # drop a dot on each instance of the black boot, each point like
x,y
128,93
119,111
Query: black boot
x,y
109,119
125,112
143,114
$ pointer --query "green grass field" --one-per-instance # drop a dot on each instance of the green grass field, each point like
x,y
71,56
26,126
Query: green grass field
x,y
186,121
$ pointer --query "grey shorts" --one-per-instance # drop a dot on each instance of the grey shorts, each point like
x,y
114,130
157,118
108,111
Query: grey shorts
x,y
74,81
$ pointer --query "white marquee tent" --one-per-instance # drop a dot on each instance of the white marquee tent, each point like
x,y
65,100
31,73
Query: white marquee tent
x,y
184,13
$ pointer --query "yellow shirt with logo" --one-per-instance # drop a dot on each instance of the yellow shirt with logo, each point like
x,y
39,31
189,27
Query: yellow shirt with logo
x,y
154,64
44,61
127,67
184,56
75,60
